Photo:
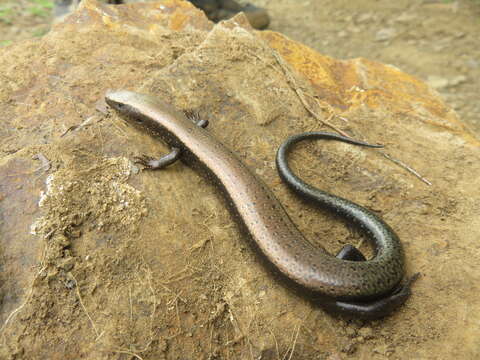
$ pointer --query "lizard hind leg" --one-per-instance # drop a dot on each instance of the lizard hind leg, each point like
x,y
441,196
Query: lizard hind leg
x,y
370,309
350,252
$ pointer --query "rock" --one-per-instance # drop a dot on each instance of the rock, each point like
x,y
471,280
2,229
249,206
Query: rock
x,y
355,29
472,63
230,5
349,348
257,17
439,47
406,17
335,356
67,264
351,331
457,80
209,6
366,332
268,354
382,349
437,82
385,34
218,10
364,18
144,278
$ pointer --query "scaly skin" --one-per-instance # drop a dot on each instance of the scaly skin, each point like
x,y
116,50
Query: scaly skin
x,y
350,285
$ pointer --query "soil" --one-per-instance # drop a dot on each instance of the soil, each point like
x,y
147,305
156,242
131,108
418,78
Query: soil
x,y
408,35
434,40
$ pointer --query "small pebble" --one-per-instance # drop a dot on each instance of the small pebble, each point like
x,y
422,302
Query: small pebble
x,y
385,34
351,332
437,82
360,339
70,284
457,80
366,332
349,348
363,18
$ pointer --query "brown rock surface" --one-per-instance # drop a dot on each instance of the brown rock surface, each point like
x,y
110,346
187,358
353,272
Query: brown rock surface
x,y
100,261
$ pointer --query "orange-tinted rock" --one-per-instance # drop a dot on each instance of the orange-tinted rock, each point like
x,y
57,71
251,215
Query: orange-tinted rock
x,y
99,259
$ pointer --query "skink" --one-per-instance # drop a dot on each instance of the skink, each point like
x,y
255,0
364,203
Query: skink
x,y
348,283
